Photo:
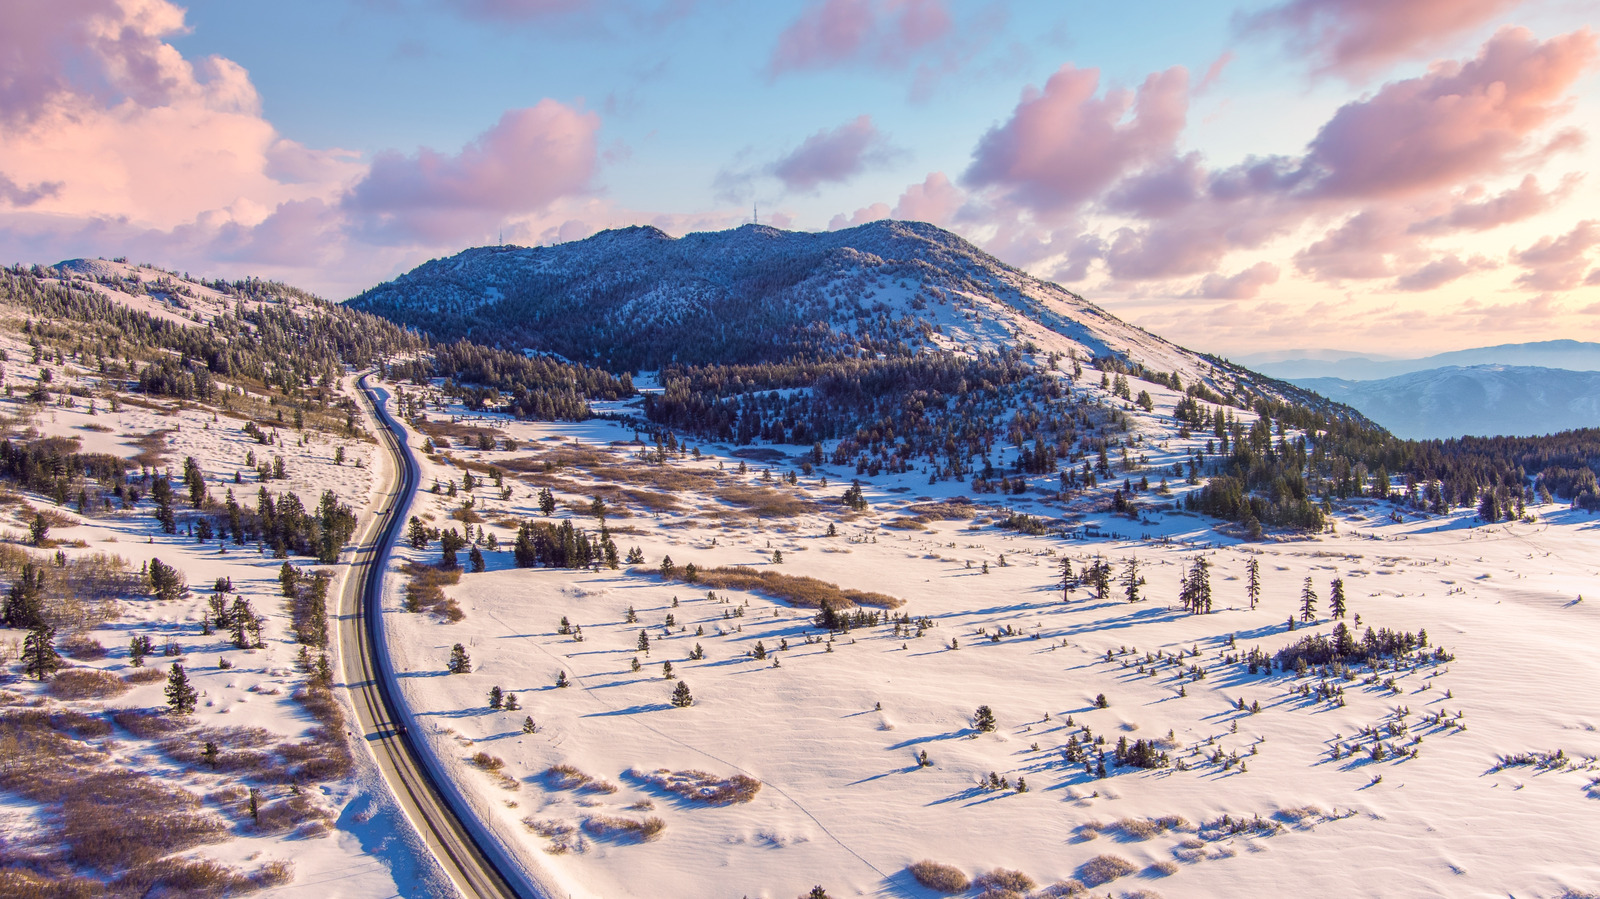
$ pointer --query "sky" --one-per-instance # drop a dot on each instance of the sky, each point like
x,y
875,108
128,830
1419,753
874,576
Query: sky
x,y
1386,176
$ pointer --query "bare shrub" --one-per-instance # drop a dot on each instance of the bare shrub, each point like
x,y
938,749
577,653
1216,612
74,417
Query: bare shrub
x,y
86,683
940,877
483,761
1163,869
184,877
425,591
1061,888
566,777
1142,894
273,874
293,811
23,883
610,827
83,648
1005,879
563,837
1145,828
1104,869
798,590
1301,814
700,786
148,723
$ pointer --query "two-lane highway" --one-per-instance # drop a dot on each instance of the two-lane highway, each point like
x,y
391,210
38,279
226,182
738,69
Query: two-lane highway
x,y
474,865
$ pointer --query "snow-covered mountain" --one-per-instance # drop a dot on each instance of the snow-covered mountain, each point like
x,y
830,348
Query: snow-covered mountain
x,y
1479,400
1573,355
637,298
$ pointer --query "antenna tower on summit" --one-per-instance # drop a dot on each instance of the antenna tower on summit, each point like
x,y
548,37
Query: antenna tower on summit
x,y
754,218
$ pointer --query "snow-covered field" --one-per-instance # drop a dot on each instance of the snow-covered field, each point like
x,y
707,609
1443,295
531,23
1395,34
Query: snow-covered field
x,y
833,729
349,839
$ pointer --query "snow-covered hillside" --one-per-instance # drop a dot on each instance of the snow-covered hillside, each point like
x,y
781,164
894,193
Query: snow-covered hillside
x,y
1480,400
637,298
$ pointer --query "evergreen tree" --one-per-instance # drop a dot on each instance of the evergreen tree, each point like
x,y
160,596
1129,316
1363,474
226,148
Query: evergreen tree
x,y
1336,598
166,582
561,679
1131,580
511,703
644,642
181,697
1196,593
417,533
475,558
1067,580
666,670
667,568
138,648
497,697
460,662
39,656
681,697
547,502
528,727
23,605
1308,602
1253,585
983,719
38,529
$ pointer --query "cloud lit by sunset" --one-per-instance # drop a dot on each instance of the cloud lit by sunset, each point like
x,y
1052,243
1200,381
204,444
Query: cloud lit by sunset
x,y
1320,173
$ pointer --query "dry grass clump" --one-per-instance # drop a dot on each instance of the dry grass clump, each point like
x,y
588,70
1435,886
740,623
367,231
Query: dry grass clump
x,y
86,683
83,648
1163,868
299,810
1142,894
1145,828
566,777
1300,814
24,883
906,524
998,893
700,786
798,590
563,837
1104,869
1005,879
765,502
144,676
940,877
1061,888
957,509
148,723
492,765
152,450
425,591
612,827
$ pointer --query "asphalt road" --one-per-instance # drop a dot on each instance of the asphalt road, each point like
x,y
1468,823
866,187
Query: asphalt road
x,y
472,869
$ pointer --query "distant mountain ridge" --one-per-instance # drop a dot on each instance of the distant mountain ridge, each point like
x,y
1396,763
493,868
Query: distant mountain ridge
x,y
1572,355
636,298
1478,400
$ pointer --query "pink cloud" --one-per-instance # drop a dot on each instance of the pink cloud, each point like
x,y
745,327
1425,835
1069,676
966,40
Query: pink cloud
x,y
873,213
1357,37
1457,122
1440,272
1063,145
1358,248
832,156
1468,213
935,200
1245,285
528,159
876,32
1558,263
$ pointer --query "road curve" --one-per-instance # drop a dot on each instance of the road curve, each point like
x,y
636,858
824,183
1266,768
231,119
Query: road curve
x,y
474,865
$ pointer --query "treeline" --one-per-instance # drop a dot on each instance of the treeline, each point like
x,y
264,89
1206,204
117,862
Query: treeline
x,y
539,387
42,467
888,414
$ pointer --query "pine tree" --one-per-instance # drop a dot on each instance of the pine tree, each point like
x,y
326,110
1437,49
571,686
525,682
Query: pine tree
x,y
138,648
644,642
1131,580
22,607
666,670
681,697
547,502
417,533
1308,602
983,719
497,698
528,727
39,656
1336,598
181,697
561,679
1067,580
1196,592
460,662
475,558
760,652
1253,586
38,530
209,754
817,892
667,568
511,703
